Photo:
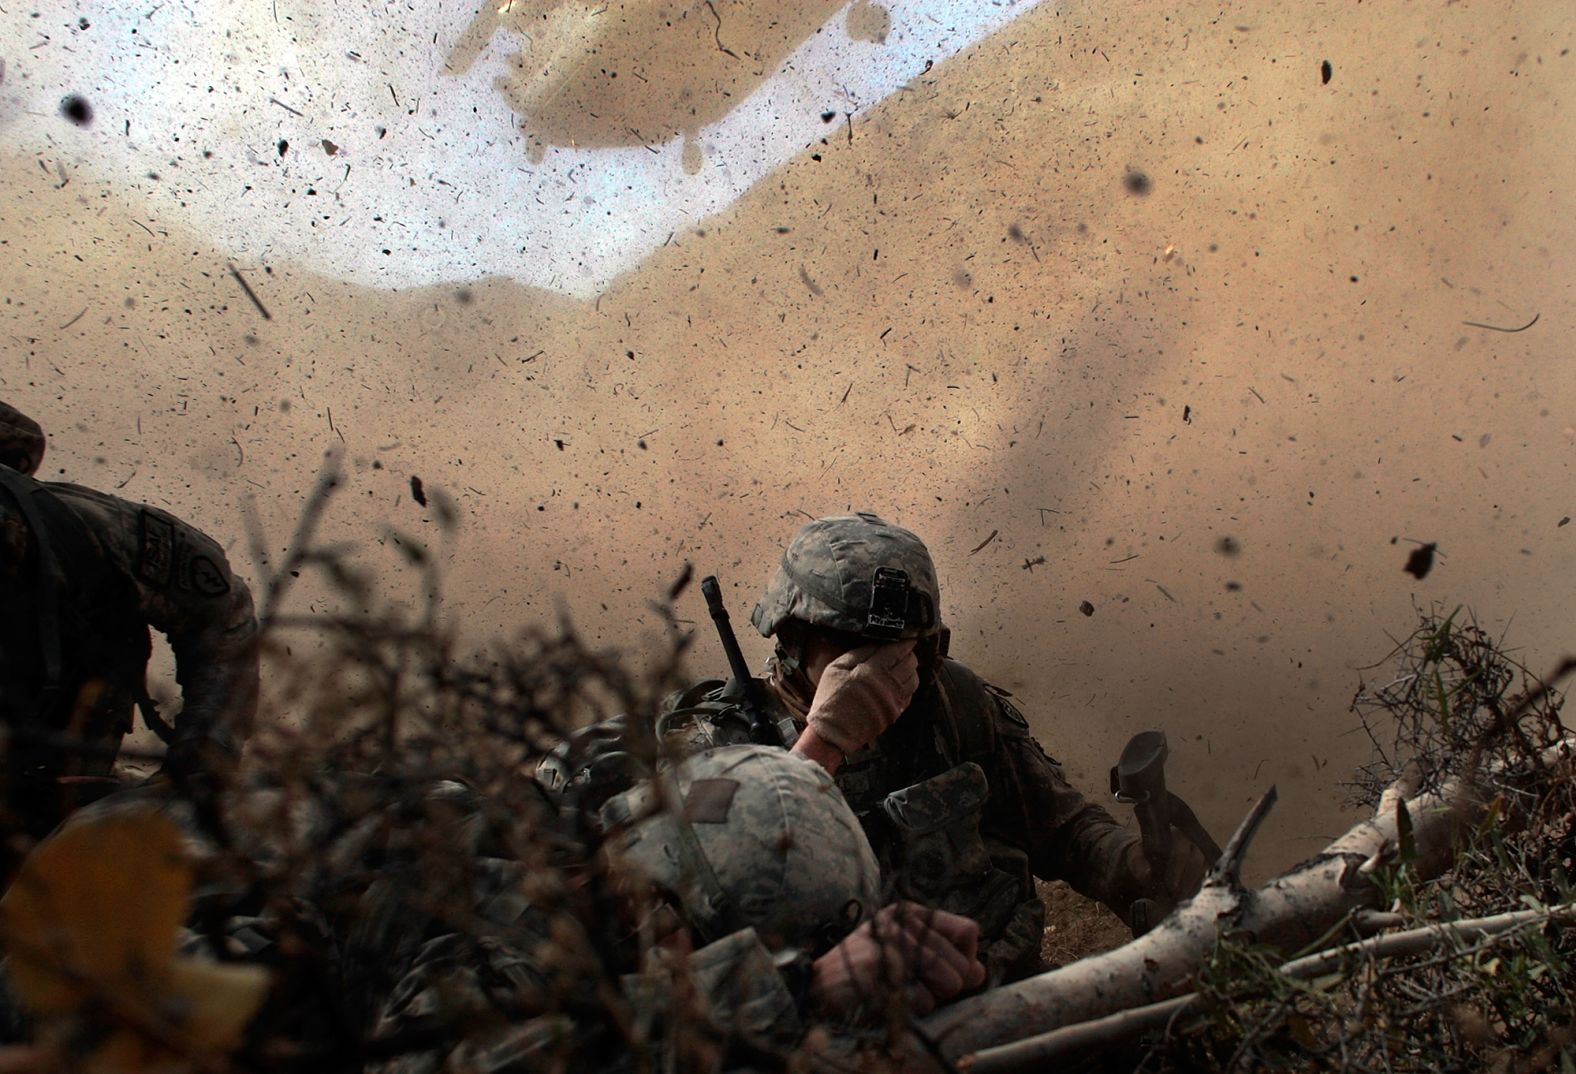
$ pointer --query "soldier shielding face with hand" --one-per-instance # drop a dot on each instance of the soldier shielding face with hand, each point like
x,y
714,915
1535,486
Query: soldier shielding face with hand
x,y
962,805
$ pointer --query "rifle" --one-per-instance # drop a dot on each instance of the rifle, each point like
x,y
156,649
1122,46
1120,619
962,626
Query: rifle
x,y
743,686
1138,779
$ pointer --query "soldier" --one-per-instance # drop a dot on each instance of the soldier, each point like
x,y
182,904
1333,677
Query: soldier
x,y
962,805
86,575
746,910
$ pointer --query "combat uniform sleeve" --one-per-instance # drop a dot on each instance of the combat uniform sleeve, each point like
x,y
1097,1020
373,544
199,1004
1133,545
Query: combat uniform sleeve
x,y
1067,837
185,590
745,996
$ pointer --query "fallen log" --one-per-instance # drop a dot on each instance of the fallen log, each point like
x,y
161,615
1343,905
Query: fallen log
x,y
1300,908
1033,1053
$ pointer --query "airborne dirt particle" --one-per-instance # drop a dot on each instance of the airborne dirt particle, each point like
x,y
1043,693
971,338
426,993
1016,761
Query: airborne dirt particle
x,y
417,493
1137,183
869,22
1228,546
1086,608
1421,561
693,157
77,110
1325,73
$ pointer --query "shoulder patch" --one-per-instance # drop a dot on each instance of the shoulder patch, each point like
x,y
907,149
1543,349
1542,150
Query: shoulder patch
x,y
1009,710
156,552
207,577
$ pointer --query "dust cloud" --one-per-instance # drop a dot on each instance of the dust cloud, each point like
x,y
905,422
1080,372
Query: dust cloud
x,y
1173,335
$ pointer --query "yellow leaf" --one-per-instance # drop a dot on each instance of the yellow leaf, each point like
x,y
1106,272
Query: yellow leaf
x,y
212,1001
96,909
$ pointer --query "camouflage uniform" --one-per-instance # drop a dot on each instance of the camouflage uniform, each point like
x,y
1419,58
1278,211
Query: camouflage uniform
x,y
962,805
89,574
756,852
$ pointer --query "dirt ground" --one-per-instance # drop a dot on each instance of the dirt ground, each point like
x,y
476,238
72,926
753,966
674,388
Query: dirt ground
x,y
1076,927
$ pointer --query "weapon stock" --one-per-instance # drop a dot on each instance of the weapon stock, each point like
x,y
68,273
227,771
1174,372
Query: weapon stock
x,y
1139,779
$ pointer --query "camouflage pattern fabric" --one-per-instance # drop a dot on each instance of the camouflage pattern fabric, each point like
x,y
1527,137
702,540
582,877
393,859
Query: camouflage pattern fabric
x,y
857,574
748,836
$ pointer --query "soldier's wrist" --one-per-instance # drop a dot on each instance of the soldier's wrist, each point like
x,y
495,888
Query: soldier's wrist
x,y
812,746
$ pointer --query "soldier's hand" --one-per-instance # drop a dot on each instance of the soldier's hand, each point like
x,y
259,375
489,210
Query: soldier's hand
x,y
862,693
1185,869
1185,872
930,955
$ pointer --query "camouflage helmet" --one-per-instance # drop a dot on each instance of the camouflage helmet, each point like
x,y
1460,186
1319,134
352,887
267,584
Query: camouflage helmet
x,y
855,573
21,440
749,836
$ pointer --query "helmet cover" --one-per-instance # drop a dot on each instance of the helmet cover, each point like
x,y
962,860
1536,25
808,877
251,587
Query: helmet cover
x,y
750,836
855,573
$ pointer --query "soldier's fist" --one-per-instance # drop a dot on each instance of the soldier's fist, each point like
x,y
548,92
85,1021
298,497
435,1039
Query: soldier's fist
x,y
930,955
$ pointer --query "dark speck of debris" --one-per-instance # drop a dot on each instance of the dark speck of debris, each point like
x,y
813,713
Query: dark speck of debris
x,y
1228,546
1086,608
1233,587
641,444
827,117
417,493
284,147
1326,72
558,444
377,464
1015,233
77,110
1566,521
329,147
1137,183
83,23
464,296
1421,561
1187,415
